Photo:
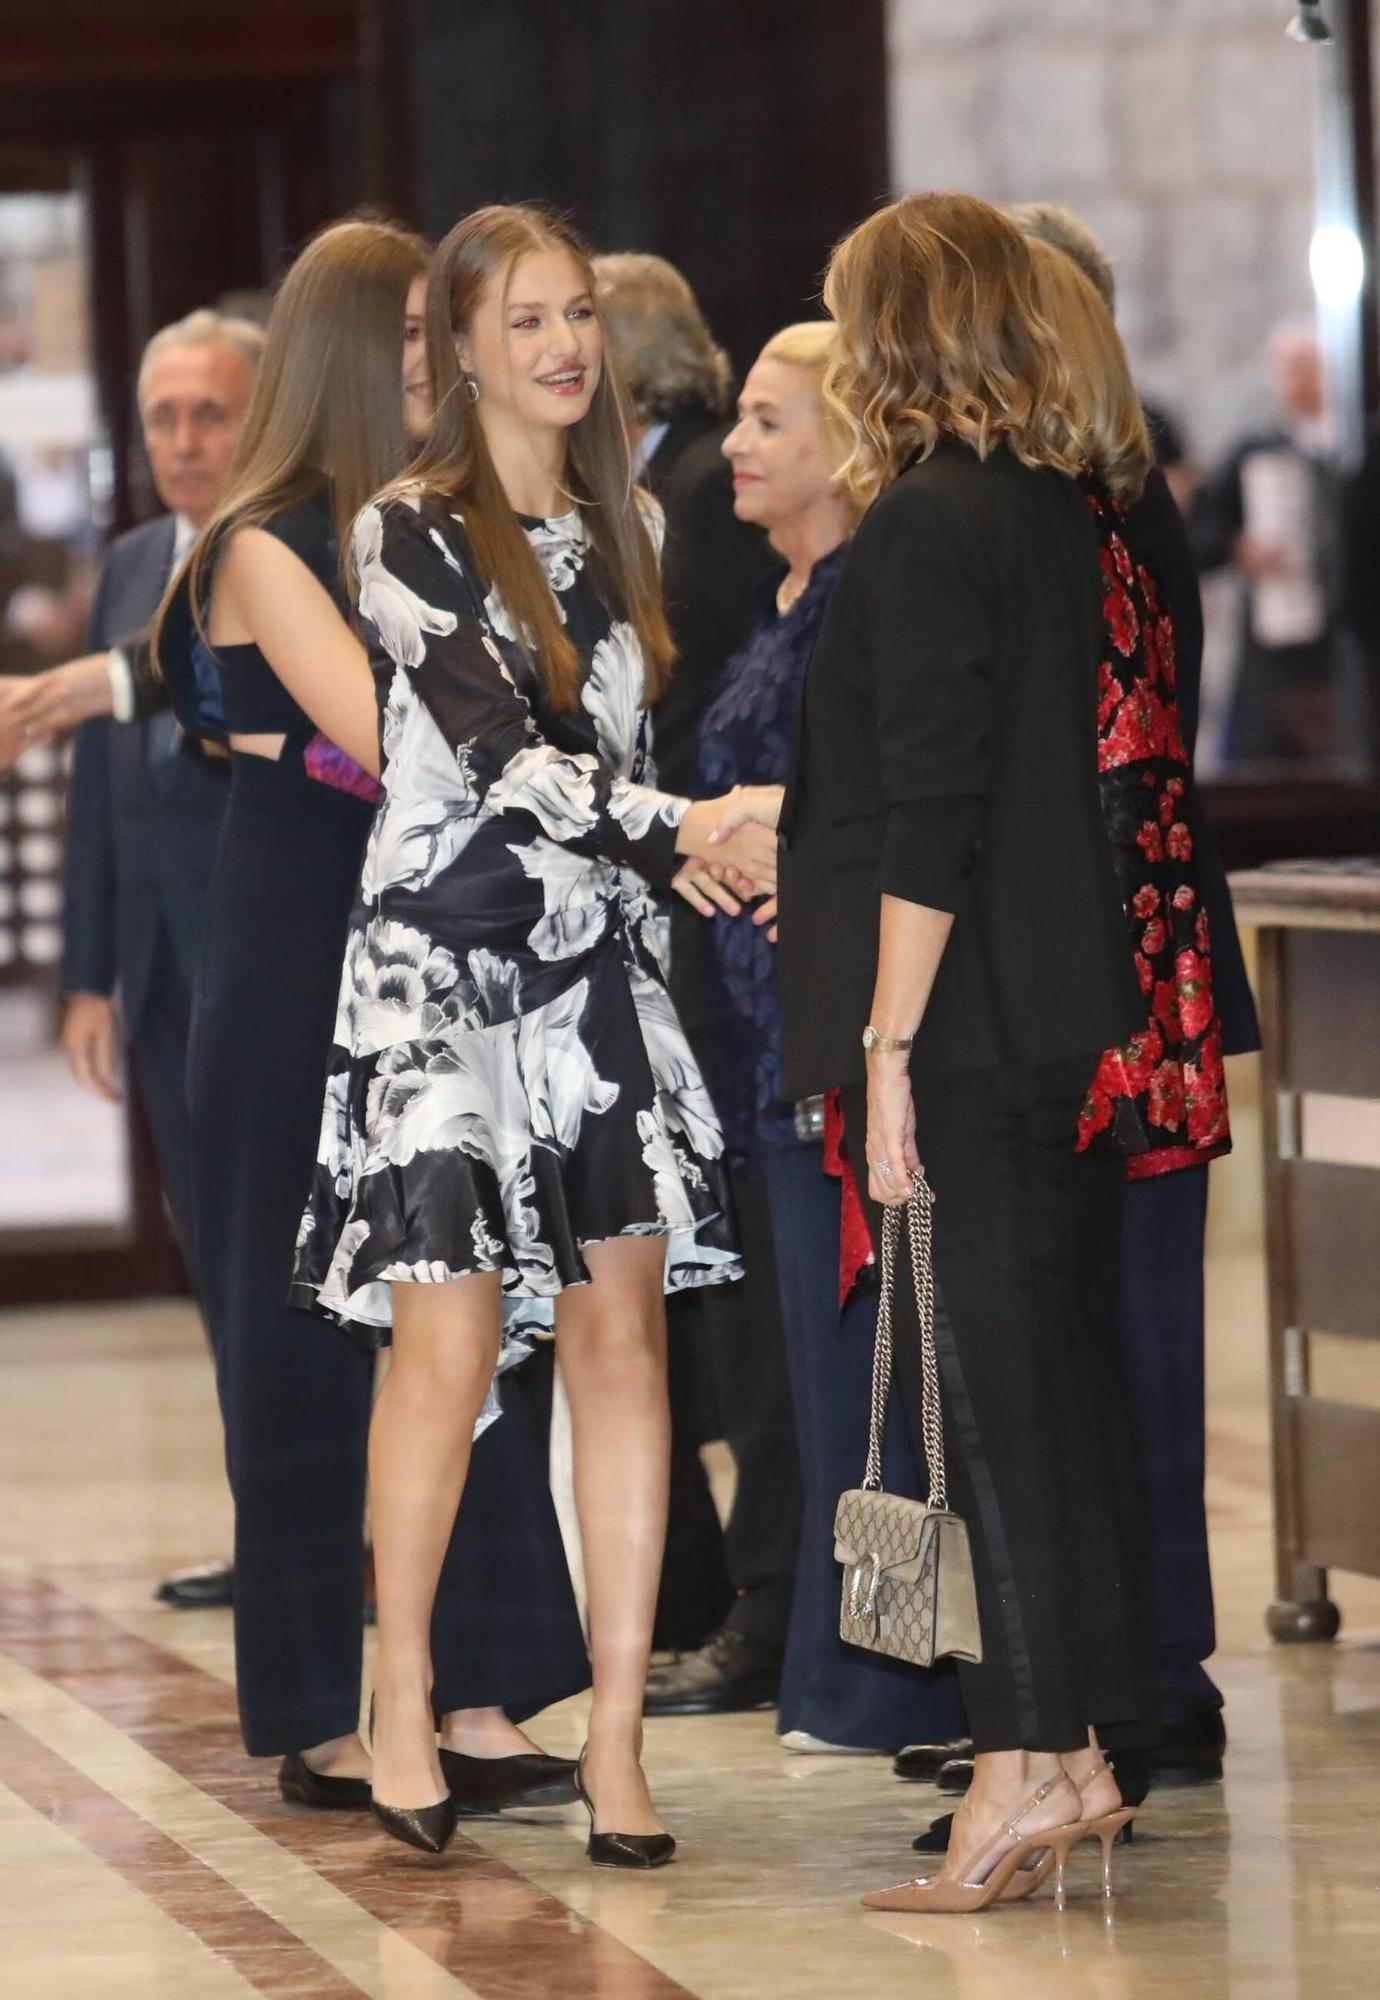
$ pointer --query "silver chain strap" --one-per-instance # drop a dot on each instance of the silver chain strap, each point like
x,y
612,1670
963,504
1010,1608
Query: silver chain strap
x,y
920,1225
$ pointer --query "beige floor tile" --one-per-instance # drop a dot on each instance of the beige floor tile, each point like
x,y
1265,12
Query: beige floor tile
x,y
70,1926
1267,1888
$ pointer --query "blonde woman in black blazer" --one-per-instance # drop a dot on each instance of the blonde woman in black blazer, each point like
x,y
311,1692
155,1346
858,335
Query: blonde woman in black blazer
x,y
948,884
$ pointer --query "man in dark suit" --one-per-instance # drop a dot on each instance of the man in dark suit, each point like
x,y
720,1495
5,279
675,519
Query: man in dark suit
x,y
1273,512
725,1593
144,806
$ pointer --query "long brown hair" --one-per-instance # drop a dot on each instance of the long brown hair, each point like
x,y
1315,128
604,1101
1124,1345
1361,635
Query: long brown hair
x,y
456,463
941,335
1115,439
327,406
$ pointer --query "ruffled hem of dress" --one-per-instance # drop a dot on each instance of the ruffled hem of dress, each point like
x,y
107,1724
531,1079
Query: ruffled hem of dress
x,y
528,1312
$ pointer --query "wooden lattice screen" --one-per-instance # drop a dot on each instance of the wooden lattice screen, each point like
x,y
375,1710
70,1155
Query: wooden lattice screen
x,y
31,803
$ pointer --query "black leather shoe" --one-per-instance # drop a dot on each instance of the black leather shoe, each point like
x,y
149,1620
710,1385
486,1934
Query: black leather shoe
x,y
935,1838
730,1674
483,1786
1190,1751
206,1589
301,1786
919,1762
432,1828
955,1775
622,1850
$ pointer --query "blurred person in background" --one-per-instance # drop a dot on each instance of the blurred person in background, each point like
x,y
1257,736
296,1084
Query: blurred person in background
x,y
726,1590
1049,222
1362,586
785,452
1272,514
1164,1219
144,804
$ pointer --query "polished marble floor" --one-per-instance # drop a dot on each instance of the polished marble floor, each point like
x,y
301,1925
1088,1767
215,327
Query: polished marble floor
x,y
142,1857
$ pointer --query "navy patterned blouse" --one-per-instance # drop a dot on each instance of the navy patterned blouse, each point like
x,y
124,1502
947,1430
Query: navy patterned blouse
x,y
746,737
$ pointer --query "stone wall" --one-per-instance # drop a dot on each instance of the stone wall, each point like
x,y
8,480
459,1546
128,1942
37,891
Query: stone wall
x,y
1181,130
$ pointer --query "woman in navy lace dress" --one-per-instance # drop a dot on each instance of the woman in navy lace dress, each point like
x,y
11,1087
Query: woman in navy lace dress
x,y
784,455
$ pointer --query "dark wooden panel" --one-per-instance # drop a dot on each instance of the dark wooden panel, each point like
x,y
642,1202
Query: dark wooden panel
x,y
1332,1012
1259,822
1339,1446
1335,1265
57,44
739,141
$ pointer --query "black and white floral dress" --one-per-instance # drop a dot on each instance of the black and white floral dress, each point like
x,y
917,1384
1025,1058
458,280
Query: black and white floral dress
x,y
509,1080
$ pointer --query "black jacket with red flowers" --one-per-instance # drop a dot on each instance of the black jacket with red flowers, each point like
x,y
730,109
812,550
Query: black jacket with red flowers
x,y
948,752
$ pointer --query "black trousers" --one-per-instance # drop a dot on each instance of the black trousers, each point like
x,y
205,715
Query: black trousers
x,y
829,1689
295,1394
731,1356
1040,1454
157,1049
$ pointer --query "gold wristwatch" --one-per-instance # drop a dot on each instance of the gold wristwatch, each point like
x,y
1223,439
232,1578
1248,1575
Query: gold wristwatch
x,y
887,1045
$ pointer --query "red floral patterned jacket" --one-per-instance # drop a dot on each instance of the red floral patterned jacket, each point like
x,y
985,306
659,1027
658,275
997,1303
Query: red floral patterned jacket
x,y
1162,1099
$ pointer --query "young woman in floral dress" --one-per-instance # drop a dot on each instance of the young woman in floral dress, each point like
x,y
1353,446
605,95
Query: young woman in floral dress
x,y
513,1119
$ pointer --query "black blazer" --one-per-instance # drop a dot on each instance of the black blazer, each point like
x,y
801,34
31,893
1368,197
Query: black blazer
x,y
956,671
143,814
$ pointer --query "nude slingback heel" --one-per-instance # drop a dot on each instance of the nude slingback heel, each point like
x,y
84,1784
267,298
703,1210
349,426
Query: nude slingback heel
x,y
995,1868
1106,1826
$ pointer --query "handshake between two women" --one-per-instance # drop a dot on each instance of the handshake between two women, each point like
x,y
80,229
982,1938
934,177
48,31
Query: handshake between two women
x,y
730,849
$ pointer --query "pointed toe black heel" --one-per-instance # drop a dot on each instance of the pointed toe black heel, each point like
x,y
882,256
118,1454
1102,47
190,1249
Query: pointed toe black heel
x,y
431,1828
301,1786
622,1850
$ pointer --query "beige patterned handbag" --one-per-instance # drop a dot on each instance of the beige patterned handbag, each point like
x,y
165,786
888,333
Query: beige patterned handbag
x,y
907,1567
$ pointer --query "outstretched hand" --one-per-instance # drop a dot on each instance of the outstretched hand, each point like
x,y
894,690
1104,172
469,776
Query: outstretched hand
x,y
34,708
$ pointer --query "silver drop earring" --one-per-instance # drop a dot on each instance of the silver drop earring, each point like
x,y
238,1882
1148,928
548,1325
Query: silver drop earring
x,y
472,388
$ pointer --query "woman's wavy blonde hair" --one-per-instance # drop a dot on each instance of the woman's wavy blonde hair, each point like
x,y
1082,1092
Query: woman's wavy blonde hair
x,y
941,334
1116,442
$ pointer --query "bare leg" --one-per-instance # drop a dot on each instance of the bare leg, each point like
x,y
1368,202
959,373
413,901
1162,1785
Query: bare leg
x,y
1003,1782
1090,1772
445,1345
611,1344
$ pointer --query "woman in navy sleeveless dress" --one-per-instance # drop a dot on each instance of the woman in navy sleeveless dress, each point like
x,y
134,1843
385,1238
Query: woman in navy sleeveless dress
x,y
296,1407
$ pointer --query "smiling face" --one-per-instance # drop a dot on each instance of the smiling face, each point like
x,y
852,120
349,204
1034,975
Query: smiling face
x,y
781,467
535,347
418,403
